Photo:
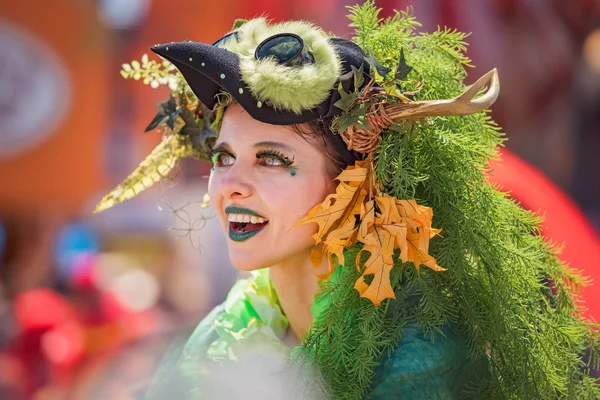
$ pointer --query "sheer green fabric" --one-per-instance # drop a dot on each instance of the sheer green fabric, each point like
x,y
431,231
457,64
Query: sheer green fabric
x,y
250,320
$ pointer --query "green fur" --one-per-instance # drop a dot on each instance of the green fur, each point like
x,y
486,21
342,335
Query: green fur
x,y
295,88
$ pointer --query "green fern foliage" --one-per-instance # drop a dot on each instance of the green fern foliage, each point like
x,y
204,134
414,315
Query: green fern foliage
x,y
505,291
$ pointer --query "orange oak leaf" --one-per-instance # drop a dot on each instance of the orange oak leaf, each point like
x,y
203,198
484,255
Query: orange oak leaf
x,y
355,213
389,213
339,209
339,240
418,219
316,255
367,219
328,213
395,224
379,264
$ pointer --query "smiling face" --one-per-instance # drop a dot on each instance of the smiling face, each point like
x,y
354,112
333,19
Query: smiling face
x,y
266,177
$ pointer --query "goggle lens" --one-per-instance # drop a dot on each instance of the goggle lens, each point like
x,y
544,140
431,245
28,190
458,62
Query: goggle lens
x,y
286,48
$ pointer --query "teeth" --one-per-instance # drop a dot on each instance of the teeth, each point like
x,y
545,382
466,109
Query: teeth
x,y
245,218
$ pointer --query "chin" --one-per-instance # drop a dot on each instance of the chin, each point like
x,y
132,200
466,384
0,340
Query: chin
x,y
259,257
269,248
248,260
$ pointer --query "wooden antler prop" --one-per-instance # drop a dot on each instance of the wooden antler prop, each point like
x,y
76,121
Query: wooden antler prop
x,y
460,105
381,116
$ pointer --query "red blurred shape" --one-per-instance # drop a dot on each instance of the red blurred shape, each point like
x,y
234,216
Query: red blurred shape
x,y
42,308
564,223
64,345
84,271
112,308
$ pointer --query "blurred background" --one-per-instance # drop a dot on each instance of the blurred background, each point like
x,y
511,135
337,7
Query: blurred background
x,y
88,302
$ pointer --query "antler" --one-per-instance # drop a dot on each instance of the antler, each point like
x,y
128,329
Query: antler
x,y
460,105
381,116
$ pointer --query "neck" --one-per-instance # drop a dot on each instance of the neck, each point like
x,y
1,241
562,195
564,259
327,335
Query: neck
x,y
296,286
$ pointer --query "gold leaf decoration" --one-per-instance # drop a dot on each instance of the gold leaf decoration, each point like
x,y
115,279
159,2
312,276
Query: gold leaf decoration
x,y
156,166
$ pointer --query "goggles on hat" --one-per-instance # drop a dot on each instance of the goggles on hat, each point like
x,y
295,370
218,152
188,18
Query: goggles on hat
x,y
286,48
226,38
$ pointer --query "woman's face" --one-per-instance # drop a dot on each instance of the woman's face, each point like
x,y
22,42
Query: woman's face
x,y
265,178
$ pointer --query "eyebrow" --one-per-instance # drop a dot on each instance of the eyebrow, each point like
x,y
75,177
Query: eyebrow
x,y
225,146
276,145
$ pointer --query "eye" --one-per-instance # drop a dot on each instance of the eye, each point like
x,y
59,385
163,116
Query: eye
x,y
272,161
270,158
222,159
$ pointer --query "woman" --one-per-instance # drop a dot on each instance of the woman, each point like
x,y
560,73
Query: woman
x,y
383,264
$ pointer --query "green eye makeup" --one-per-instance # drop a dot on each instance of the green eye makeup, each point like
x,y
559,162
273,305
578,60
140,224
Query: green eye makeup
x,y
267,158
272,155
217,158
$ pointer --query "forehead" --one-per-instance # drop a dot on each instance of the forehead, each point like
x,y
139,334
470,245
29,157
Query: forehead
x,y
240,129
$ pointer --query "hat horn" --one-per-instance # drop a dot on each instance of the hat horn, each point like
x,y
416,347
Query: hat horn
x,y
460,105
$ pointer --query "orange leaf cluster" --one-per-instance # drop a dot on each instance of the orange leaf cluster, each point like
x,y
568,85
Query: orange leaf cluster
x,y
382,223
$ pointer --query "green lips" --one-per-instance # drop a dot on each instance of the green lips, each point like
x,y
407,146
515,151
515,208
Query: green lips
x,y
238,210
240,237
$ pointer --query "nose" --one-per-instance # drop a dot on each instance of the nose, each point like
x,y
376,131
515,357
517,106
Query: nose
x,y
234,184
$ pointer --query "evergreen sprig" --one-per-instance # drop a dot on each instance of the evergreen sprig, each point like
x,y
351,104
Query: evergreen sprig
x,y
505,291
153,73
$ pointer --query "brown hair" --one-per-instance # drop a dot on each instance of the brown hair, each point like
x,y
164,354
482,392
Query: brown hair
x,y
332,144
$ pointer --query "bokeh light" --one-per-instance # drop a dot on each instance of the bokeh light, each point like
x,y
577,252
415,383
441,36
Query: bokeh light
x,y
591,51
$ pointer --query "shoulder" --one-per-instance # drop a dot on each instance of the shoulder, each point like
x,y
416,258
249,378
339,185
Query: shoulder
x,y
202,337
435,366
181,359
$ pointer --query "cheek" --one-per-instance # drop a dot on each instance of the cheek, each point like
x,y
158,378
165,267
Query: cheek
x,y
211,186
216,199
292,202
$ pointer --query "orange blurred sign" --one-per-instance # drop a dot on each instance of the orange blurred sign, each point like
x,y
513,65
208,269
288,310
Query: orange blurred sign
x,y
53,105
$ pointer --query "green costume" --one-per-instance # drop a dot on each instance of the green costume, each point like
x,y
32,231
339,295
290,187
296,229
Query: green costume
x,y
492,315
420,368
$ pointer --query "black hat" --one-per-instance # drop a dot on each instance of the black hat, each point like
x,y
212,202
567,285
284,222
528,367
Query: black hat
x,y
209,69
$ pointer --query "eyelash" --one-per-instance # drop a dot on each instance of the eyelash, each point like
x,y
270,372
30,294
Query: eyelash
x,y
285,161
215,157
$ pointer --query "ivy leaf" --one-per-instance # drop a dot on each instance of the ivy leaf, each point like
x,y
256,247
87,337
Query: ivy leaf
x,y
357,118
403,69
167,112
346,100
397,128
381,70
198,135
359,77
